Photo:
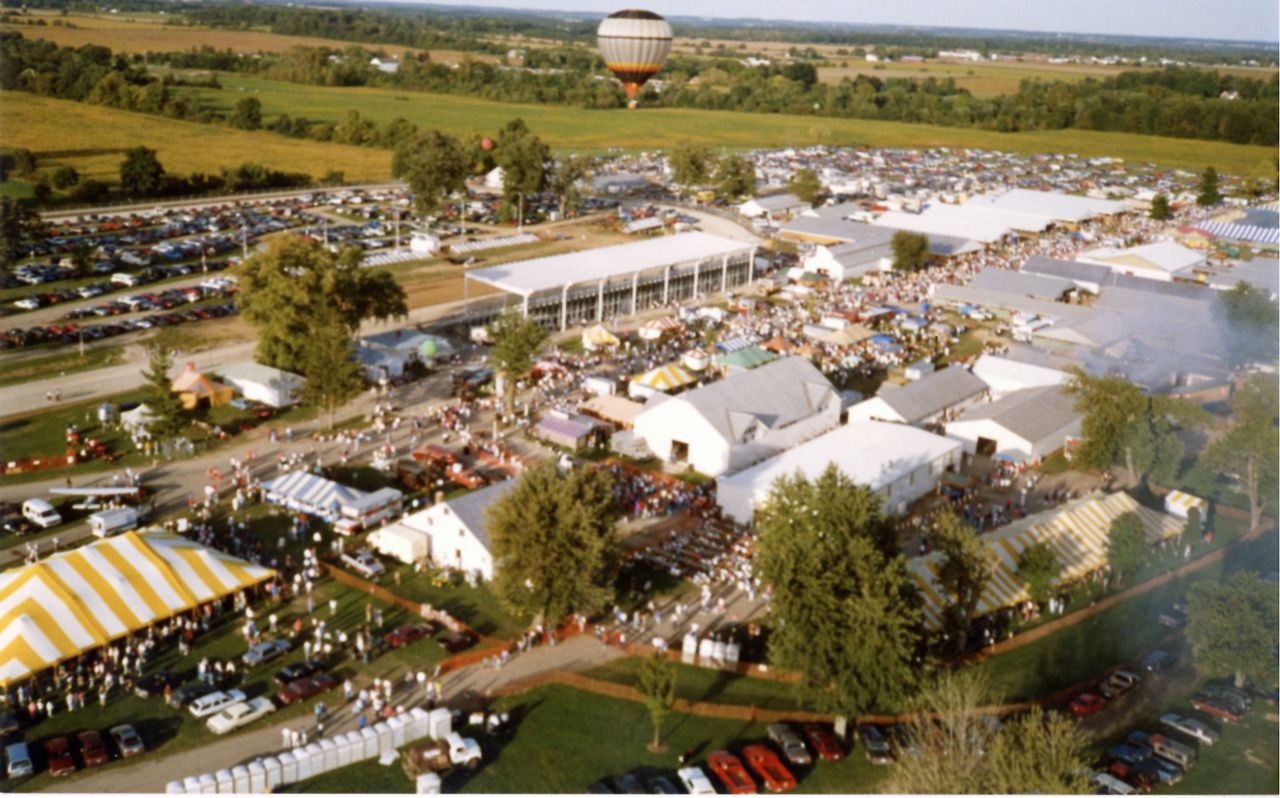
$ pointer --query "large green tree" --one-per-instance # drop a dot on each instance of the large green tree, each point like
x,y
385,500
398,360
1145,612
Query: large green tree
x,y
1249,447
247,114
18,220
910,250
690,164
554,548
168,419
1127,547
296,286
1208,193
516,342
963,573
329,366
141,174
525,162
566,182
805,185
1252,321
1160,209
1039,568
435,165
847,614
735,176
657,686
1232,628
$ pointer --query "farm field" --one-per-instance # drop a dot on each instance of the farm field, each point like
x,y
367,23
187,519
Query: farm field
x,y
157,34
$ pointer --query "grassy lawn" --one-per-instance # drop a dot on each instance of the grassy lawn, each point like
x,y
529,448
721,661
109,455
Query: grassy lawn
x,y
43,433
477,606
1115,635
707,684
1243,761
14,371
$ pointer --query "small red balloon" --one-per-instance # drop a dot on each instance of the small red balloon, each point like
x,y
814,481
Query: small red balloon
x,y
486,144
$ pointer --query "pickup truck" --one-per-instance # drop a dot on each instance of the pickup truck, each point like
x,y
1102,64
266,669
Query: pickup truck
x,y
452,750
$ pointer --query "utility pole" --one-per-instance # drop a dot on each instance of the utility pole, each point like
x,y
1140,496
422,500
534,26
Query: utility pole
x,y
520,219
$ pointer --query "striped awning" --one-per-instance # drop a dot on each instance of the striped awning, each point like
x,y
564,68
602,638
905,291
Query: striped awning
x,y
79,600
1241,232
1178,503
299,490
666,378
1076,534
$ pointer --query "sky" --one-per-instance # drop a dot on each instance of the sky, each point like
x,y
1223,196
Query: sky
x,y
1254,20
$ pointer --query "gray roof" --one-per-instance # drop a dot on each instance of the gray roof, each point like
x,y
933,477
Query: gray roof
x,y
933,393
1025,353
966,294
248,371
775,394
1261,273
778,202
470,508
838,211
823,227
1032,413
865,236
1066,269
1032,285
1166,288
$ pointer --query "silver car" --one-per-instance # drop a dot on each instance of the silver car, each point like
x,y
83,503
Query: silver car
x,y
1195,729
792,746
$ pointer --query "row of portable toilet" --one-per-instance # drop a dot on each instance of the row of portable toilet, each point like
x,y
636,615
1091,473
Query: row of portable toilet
x,y
265,774
708,649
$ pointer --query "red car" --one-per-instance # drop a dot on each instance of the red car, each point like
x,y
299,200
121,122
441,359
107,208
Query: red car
x,y
1087,704
731,772
409,633
1130,775
1215,708
824,742
769,768
93,751
57,752
303,689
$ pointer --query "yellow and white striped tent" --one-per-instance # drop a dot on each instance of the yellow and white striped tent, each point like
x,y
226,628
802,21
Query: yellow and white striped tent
x,y
1076,534
73,602
666,378
1178,503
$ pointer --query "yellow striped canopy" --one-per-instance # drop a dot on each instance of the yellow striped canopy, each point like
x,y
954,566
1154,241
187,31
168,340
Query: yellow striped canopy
x,y
666,378
76,601
1076,534
1178,503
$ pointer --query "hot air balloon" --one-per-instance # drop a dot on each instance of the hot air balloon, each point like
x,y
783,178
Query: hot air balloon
x,y
634,44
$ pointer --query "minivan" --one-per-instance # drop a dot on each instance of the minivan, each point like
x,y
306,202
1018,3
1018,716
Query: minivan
x,y
40,513
18,760
1181,755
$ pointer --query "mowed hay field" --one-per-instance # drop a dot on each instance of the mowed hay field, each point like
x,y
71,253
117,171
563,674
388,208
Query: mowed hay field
x,y
93,140
568,128
155,34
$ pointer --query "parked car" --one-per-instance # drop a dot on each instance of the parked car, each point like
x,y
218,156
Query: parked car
x,y
695,781
769,768
1159,771
305,688
903,740
824,742
17,760
1158,661
215,702
364,563
298,670
793,748
1184,756
1195,729
1130,775
876,746
628,784
93,751
1129,754
241,714
1119,683
728,768
408,633
266,651
1107,784
8,724
127,740
183,696
661,785
1234,697
1172,619
453,642
1086,704
1217,708
154,684
57,755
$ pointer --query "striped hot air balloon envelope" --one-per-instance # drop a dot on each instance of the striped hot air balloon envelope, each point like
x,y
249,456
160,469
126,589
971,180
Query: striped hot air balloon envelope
x,y
634,44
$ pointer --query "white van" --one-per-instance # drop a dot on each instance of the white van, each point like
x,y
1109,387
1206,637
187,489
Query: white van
x,y
106,523
40,513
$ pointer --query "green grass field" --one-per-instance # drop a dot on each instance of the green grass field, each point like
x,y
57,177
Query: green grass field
x,y
708,684
13,371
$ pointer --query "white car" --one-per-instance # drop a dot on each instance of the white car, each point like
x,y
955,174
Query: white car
x,y
1110,785
1191,727
364,563
242,714
215,702
696,781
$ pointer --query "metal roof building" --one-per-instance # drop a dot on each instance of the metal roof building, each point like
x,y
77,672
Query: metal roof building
x,y
1053,204
622,279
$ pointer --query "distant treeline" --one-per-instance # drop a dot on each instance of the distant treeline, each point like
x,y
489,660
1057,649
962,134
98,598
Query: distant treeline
x,y
1177,102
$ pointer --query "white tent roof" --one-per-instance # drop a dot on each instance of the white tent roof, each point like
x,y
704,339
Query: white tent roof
x,y
542,274
957,221
1054,204
312,491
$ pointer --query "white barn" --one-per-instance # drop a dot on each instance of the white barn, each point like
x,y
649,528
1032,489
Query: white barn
x,y
454,532
739,420
898,462
1025,425
1004,376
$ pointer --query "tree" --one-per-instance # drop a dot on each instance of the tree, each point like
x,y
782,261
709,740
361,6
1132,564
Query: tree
x,y
553,543
516,341
141,174
289,290
524,160
1191,530
82,259
434,164
847,613
963,573
247,114
1249,448
167,420
735,176
332,373
18,220
805,185
566,182
910,250
65,177
1231,627
690,164
962,751
1160,209
1039,568
1208,193
1126,546
657,686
